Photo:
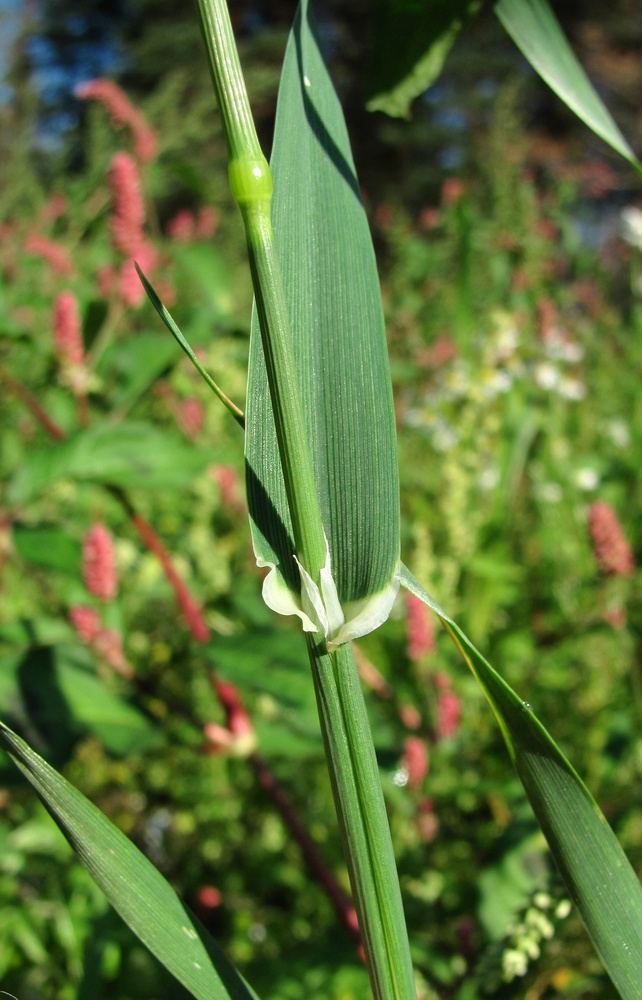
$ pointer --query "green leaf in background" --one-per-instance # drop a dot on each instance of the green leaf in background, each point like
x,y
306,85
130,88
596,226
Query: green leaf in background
x,y
135,455
597,874
272,663
136,889
134,365
535,30
120,727
203,274
330,277
49,547
57,689
412,40
507,882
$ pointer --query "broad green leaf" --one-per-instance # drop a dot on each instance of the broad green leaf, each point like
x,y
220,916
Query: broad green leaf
x,y
597,874
535,30
135,455
57,689
137,890
412,40
49,547
120,727
272,662
332,290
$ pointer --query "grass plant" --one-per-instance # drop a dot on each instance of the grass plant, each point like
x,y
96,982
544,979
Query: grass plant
x,y
323,497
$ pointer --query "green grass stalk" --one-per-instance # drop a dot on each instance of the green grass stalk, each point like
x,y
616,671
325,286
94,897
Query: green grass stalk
x,y
251,186
363,820
346,731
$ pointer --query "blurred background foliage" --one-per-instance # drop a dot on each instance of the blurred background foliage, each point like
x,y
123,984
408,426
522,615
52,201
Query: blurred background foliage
x,y
510,250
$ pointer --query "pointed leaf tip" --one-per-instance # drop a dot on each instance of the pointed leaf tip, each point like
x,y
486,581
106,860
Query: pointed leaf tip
x,y
173,328
597,873
334,304
134,887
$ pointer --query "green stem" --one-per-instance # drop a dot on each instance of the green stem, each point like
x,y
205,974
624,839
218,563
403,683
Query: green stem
x,y
344,722
358,796
251,186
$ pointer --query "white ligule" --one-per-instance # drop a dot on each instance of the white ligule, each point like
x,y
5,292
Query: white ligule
x,y
319,608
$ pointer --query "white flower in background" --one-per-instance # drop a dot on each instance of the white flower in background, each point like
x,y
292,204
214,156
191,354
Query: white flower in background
x,y
514,963
488,478
495,382
400,777
549,492
546,375
506,341
618,431
562,349
631,226
587,479
414,417
444,436
571,388
457,381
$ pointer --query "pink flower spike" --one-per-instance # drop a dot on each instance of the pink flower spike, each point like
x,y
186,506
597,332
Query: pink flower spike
x,y
129,210
451,191
55,207
67,333
611,549
191,417
145,142
206,223
55,255
448,715
238,721
419,628
108,645
181,227
228,481
99,564
110,95
130,286
209,897
122,113
86,622
415,761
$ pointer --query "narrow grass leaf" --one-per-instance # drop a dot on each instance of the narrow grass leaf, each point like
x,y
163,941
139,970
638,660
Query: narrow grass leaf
x,y
173,328
134,887
411,43
597,874
326,255
535,30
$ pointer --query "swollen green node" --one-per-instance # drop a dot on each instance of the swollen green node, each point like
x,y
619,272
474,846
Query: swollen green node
x,y
250,180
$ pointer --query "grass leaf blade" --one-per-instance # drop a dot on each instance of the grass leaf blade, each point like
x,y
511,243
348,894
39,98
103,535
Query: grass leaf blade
x,y
326,256
597,873
173,328
134,887
535,30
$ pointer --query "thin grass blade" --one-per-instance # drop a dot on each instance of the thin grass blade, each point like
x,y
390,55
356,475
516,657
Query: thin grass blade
x,y
598,876
173,328
535,30
325,250
137,890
